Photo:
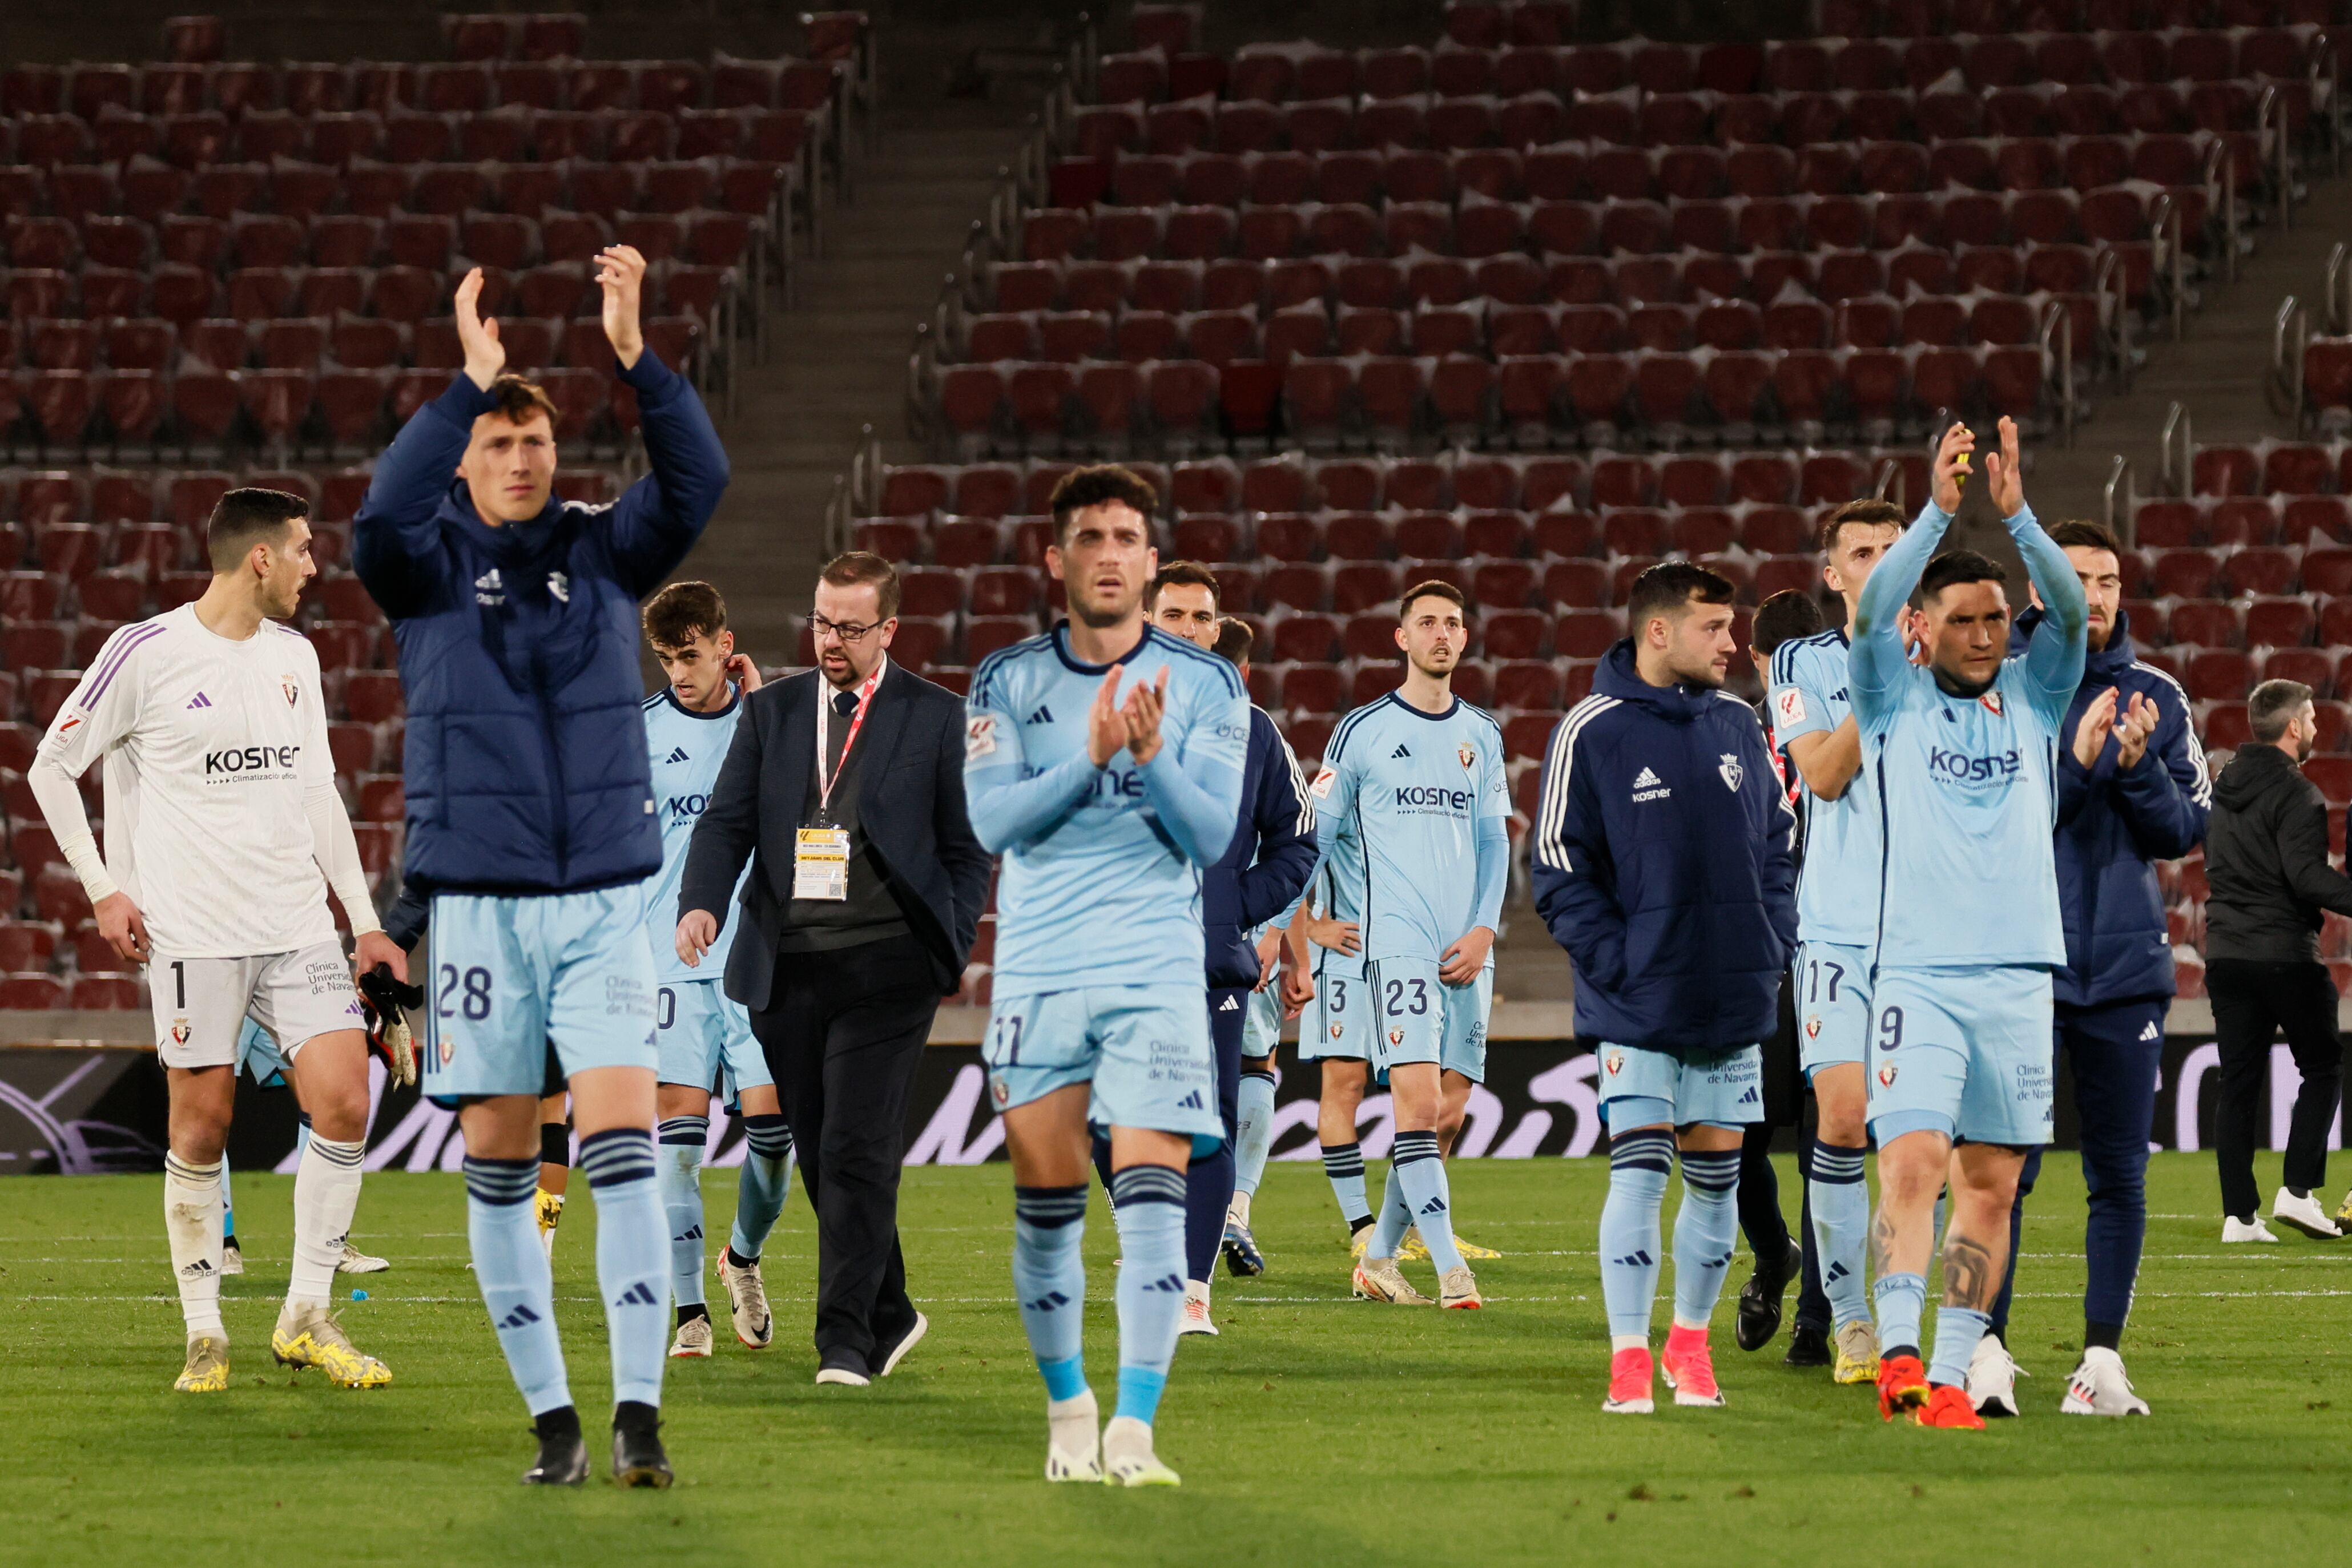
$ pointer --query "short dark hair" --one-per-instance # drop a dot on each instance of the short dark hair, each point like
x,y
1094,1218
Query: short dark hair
x,y
2081,533
1668,588
520,399
1435,588
245,518
1096,484
1189,572
1954,568
1786,616
2272,707
1235,639
681,612
853,566
1869,513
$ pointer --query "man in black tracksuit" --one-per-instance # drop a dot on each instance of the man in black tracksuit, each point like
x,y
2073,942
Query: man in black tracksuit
x,y
2266,859
1272,856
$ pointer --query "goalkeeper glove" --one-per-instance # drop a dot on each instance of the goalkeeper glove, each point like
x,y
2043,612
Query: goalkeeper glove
x,y
387,1025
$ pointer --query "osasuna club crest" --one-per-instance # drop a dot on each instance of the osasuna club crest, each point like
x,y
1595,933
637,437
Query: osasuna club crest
x,y
1991,701
1813,1027
1886,1076
1396,1036
1467,753
291,687
1613,1063
1731,770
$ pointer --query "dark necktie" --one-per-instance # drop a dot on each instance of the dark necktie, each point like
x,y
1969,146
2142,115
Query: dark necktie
x,y
844,703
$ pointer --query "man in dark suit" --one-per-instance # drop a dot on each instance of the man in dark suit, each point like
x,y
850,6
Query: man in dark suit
x,y
843,789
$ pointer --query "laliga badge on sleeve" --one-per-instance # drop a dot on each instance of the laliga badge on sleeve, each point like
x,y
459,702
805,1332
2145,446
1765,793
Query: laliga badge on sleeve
x,y
821,864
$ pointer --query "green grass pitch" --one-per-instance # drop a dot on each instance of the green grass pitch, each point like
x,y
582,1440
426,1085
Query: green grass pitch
x,y
1315,1430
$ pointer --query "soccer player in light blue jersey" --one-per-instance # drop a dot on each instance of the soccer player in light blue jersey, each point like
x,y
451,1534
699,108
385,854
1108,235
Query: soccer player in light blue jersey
x,y
1104,761
1959,1065
1837,921
1325,939
704,1035
1415,781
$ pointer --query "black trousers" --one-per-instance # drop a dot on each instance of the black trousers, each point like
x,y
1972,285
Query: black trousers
x,y
842,1031
2252,1003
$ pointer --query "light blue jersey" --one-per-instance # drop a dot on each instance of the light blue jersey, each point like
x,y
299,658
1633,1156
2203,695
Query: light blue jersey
x,y
1102,877
1424,801
687,749
1837,883
1967,782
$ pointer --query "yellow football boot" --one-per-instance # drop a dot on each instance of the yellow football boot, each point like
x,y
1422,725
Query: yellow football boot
x,y
1857,1353
313,1338
207,1368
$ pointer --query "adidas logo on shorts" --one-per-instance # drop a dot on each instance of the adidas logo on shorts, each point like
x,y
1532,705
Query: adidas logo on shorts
x,y
1230,1005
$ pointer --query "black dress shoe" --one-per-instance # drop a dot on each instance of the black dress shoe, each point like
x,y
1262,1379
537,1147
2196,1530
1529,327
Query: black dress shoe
x,y
638,1457
1760,1301
1809,1347
562,1453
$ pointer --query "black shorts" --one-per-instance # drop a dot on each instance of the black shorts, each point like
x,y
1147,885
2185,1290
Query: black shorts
x,y
1784,1075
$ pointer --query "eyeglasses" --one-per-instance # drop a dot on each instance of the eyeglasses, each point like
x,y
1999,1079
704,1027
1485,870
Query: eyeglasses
x,y
848,632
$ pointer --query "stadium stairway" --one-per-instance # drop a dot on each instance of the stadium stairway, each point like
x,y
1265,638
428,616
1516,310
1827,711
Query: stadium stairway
x,y
2217,370
837,360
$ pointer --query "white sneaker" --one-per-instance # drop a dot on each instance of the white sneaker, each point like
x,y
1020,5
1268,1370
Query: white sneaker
x,y
232,1257
746,1300
693,1339
2246,1229
2304,1214
1127,1459
1073,1441
1992,1378
354,1261
2100,1388
1196,1310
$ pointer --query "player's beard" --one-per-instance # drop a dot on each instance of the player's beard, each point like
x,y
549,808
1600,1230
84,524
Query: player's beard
x,y
1706,675
1423,666
1094,617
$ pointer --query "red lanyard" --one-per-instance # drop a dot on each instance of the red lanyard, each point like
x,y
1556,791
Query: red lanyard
x,y
857,723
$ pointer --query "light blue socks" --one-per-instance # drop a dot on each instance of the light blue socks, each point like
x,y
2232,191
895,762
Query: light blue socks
x,y
512,1269
1150,1202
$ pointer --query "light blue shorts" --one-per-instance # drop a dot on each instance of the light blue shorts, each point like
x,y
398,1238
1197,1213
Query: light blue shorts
x,y
512,976
258,1053
1145,1049
1656,1088
1262,1028
1338,1024
1422,1018
1833,1005
1964,1052
699,1030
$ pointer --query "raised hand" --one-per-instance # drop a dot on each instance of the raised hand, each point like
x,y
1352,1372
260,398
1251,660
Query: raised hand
x,y
620,274
1106,726
2003,473
2132,734
1952,466
743,672
1145,705
478,335
2091,734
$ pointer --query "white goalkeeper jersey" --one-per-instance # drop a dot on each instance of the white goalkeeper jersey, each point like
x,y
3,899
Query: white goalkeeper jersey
x,y
210,746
